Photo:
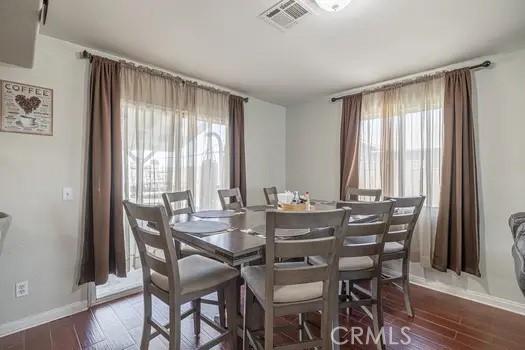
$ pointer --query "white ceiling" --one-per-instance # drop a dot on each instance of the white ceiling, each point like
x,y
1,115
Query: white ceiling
x,y
223,41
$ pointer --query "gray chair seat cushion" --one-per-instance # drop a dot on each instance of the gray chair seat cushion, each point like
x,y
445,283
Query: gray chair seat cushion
x,y
360,240
255,277
197,273
356,263
393,247
390,247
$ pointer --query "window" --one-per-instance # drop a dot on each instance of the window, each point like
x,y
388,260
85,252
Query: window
x,y
175,137
414,155
165,152
401,148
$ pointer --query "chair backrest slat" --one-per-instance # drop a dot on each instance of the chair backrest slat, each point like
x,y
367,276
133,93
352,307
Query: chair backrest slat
x,y
306,274
367,208
308,247
234,197
150,228
174,198
397,236
365,249
157,265
402,219
407,202
307,219
150,238
367,229
353,194
270,193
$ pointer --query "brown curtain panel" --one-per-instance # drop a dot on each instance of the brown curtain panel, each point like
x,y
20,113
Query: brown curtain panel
x,y
350,124
237,157
103,250
457,231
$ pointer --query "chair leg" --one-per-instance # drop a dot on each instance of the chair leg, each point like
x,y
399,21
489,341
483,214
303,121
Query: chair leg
x,y
377,312
342,290
301,326
247,299
146,328
175,327
406,286
349,289
222,308
268,329
196,304
232,304
333,319
326,321
306,327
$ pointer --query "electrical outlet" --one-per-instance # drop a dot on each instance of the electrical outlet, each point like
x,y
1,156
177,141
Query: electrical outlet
x,y
67,194
21,289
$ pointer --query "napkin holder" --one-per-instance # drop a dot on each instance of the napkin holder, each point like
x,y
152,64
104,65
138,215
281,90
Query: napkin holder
x,y
292,206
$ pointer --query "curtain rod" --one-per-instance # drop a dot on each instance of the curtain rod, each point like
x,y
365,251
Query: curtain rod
x,y
87,55
414,80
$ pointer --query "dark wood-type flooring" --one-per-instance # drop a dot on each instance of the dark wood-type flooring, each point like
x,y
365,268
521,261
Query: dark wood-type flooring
x,y
441,322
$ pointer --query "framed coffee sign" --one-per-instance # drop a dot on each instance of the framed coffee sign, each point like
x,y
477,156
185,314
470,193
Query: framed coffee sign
x,y
26,108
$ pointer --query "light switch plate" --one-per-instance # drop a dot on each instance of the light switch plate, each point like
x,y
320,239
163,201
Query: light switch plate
x,y
67,194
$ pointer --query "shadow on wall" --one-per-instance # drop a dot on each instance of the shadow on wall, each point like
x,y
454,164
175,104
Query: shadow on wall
x,y
5,222
483,281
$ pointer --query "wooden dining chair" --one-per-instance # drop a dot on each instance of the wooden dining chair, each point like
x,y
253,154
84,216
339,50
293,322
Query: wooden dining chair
x,y
178,281
295,287
398,242
231,199
357,194
362,262
181,203
270,193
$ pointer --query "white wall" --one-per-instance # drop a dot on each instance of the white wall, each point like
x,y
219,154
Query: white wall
x,y
312,148
500,121
265,132
43,244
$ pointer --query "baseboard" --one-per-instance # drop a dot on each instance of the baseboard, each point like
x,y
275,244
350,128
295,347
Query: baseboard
x,y
482,298
41,318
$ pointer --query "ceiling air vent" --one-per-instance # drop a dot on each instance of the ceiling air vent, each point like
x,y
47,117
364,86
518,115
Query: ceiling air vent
x,y
286,13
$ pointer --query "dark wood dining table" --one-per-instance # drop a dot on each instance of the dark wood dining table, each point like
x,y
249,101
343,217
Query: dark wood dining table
x,y
237,245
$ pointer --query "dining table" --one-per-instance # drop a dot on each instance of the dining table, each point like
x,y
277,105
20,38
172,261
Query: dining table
x,y
239,244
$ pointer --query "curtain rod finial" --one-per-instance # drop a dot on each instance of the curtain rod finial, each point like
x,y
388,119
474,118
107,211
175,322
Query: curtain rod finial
x,y
486,63
87,55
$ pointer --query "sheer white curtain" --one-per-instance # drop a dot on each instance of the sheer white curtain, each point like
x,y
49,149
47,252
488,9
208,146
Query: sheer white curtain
x,y
401,148
175,137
